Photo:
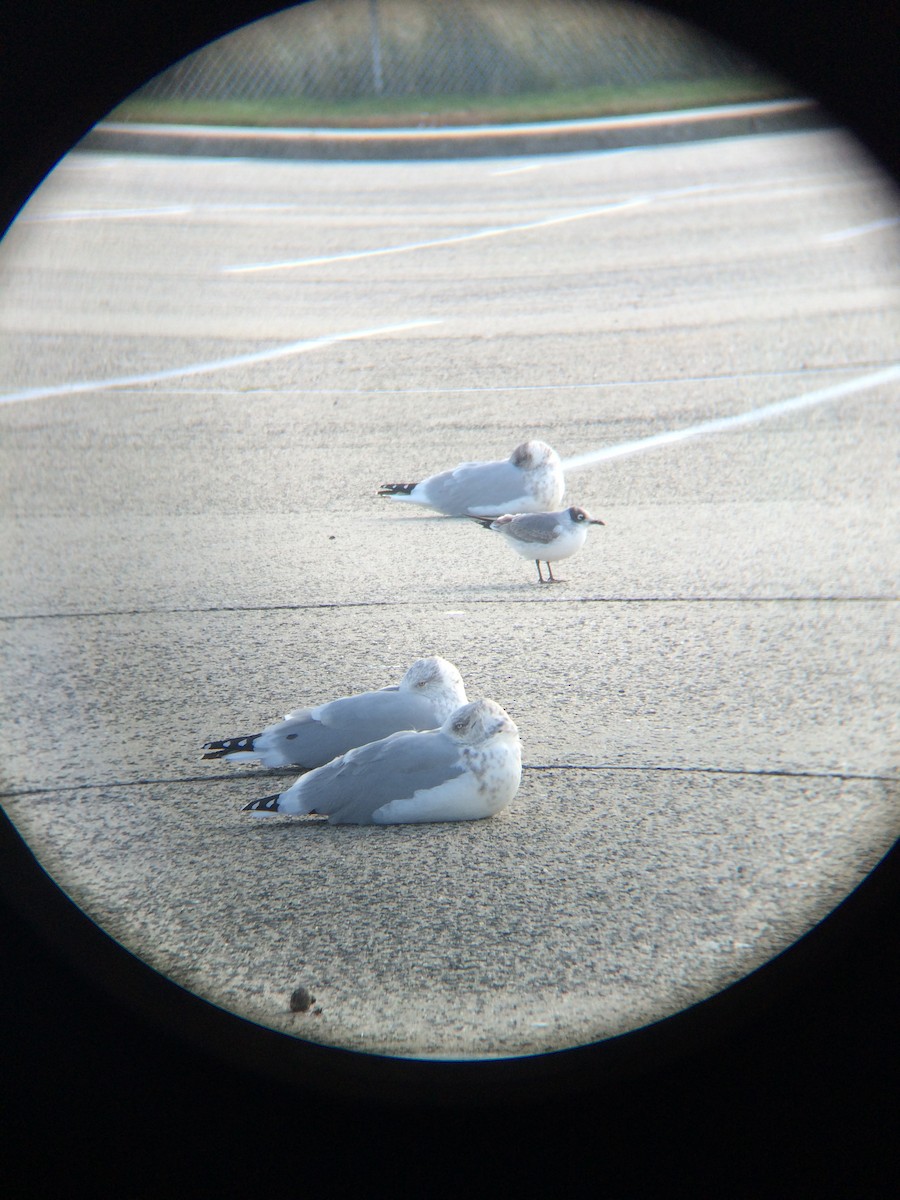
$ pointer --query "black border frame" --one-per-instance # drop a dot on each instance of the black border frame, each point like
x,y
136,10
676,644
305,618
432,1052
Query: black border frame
x,y
785,1083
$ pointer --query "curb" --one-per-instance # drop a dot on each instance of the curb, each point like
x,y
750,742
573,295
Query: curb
x,y
552,137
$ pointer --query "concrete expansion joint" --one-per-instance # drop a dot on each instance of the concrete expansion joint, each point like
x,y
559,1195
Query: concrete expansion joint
x,y
506,601
634,768
698,770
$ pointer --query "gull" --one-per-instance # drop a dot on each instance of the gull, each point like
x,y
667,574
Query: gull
x,y
468,769
430,690
530,480
545,537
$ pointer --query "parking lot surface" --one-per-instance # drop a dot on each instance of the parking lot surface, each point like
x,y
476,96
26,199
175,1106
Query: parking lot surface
x,y
209,366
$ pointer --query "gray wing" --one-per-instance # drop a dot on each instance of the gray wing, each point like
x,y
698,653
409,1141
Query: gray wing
x,y
311,737
532,527
489,487
352,788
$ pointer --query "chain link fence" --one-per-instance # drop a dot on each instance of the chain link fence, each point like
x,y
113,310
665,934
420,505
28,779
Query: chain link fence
x,y
336,50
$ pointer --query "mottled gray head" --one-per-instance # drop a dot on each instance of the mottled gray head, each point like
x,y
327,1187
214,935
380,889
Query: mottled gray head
x,y
478,721
533,454
434,675
580,516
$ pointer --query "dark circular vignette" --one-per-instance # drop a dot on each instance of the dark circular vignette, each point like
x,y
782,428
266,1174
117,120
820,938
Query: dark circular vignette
x,y
113,1068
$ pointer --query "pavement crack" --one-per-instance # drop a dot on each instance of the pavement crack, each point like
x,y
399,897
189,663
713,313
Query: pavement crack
x,y
777,772
258,775
506,601
254,774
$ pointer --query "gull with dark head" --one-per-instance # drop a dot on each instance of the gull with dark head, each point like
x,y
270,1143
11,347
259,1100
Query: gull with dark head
x,y
530,480
544,537
468,769
430,690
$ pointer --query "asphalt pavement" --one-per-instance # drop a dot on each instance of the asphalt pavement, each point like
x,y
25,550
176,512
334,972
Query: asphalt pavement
x,y
208,367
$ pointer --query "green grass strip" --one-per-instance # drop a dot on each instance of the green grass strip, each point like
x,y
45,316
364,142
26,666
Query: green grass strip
x,y
388,112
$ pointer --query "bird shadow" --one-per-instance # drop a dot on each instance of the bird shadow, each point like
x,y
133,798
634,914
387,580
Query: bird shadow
x,y
280,825
434,518
527,585
277,826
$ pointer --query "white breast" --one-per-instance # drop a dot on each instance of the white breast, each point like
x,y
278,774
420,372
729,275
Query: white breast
x,y
568,542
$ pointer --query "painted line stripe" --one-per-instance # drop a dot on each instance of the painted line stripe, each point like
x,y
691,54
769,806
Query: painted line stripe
x,y
533,166
405,248
221,364
753,416
739,190
843,235
112,214
545,386
163,211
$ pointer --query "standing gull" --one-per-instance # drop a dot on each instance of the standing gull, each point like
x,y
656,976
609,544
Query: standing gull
x,y
545,537
530,480
430,690
468,769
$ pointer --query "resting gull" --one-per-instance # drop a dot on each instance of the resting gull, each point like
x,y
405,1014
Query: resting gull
x,y
530,480
430,690
468,769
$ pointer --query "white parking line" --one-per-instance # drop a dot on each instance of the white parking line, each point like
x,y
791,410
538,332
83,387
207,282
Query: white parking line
x,y
404,248
843,235
737,190
221,364
162,210
490,389
720,424
540,165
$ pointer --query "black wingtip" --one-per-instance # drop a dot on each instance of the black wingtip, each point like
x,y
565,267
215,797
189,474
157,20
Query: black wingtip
x,y
484,522
267,804
396,489
229,746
